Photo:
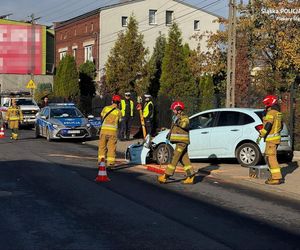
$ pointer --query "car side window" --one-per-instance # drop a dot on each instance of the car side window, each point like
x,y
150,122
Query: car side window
x,y
203,121
233,118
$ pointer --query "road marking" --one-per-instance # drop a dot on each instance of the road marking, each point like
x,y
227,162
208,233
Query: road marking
x,y
73,156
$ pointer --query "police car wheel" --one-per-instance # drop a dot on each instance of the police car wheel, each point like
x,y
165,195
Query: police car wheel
x,y
248,154
163,154
37,132
48,135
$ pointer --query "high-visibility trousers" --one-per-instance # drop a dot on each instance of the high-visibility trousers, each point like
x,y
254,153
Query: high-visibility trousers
x,y
180,154
107,148
271,160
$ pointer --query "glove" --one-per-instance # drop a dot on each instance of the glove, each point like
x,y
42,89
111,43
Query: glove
x,y
258,140
174,119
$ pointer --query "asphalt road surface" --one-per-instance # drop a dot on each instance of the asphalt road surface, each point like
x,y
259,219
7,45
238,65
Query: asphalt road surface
x,y
49,200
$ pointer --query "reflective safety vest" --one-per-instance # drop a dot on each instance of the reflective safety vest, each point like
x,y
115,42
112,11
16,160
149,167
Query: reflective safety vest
x,y
14,114
180,130
275,118
111,121
123,107
146,111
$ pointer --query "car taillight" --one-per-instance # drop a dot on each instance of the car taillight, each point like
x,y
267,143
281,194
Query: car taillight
x,y
259,127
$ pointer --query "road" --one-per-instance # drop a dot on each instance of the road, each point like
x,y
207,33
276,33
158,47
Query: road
x,y
49,200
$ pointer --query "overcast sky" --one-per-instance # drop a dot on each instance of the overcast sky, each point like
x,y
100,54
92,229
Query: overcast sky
x,y
59,10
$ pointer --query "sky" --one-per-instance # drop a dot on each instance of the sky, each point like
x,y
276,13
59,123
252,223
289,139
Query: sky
x,y
51,11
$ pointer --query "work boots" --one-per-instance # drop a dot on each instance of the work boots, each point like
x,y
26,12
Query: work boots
x,y
189,180
274,182
163,178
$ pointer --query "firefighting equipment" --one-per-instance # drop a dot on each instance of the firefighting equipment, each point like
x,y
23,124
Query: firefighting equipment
x,y
102,174
2,132
108,134
189,180
177,106
139,108
163,178
116,98
270,100
272,125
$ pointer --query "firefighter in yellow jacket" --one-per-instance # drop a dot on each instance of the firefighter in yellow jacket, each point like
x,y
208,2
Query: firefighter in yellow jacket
x,y
14,116
111,116
272,125
179,134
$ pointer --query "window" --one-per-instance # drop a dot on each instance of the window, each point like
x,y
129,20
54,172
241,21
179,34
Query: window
x,y
88,53
86,28
169,17
206,120
196,25
74,53
152,16
62,54
232,118
92,26
124,21
75,32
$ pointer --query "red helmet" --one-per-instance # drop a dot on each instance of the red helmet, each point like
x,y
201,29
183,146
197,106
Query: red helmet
x,y
116,98
270,100
177,105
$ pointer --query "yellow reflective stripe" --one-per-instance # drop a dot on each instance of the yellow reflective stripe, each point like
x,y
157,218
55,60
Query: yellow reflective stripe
x,y
108,128
273,138
110,158
187,167
275,170
13,118
180,135
171,167
179,149
263,132
269,117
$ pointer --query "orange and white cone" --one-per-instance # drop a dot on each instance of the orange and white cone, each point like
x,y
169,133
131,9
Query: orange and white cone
x,y
102,175
2,132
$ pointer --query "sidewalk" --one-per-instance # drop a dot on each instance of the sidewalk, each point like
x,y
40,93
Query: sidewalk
x,y
235,174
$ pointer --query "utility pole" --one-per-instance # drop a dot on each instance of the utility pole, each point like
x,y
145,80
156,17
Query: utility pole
x,y
231,55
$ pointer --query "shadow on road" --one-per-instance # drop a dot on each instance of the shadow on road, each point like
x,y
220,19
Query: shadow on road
x,y
289,169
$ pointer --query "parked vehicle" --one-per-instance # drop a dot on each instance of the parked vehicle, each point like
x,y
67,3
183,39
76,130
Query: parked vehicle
x,y
26,103
222,133
62,120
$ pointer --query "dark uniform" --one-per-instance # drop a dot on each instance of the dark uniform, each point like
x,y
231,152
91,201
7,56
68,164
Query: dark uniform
x,y
127,106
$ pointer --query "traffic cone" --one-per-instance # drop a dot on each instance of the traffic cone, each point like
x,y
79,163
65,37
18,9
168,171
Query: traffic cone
x,y
2,132
102,175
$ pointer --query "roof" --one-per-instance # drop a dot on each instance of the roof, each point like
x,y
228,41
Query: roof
x,y
7,21
96,11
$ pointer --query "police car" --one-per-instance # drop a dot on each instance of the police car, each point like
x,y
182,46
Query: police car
x,y
62,120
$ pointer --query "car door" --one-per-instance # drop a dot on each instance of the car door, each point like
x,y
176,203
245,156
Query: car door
x,y
200,135
226,133
43,121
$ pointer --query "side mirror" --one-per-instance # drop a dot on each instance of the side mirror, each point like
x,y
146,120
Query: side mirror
x,y
91,117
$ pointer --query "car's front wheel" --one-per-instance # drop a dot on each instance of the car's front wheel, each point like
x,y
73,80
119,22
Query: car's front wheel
x,y
48,137
248,154
163,154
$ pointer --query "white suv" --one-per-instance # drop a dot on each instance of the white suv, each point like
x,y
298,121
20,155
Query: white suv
x,y
223,133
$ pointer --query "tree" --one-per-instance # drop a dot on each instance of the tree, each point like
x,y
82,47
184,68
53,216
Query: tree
x,y
126,65
155,65
43,89
206,87
87,74
66,81
176,78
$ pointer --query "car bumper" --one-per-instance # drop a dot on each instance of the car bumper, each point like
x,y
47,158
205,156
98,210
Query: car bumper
x,y
66,133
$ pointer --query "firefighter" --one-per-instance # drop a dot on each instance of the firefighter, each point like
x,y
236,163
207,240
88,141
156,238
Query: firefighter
x,y
111,116
127,116
272,125
13,117
148,113
179,134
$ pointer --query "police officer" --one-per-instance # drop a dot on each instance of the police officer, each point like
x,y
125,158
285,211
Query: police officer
x,y
148,113
111,116
127,116
13,117
179,134
272,125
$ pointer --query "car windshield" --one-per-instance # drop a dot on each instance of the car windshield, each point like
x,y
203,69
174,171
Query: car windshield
x,y
260,113
25,102
65,113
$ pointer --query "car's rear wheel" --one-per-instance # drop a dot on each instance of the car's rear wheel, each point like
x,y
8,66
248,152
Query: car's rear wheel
x,y
163,154
248,154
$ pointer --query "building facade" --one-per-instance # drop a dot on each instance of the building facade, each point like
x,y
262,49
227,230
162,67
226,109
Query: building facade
x,y
26,51
97,31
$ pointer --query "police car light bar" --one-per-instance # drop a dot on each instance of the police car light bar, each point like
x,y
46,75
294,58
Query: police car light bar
x,y
62,104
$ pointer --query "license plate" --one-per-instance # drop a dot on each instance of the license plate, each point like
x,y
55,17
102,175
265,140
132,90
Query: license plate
x,y
73,132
